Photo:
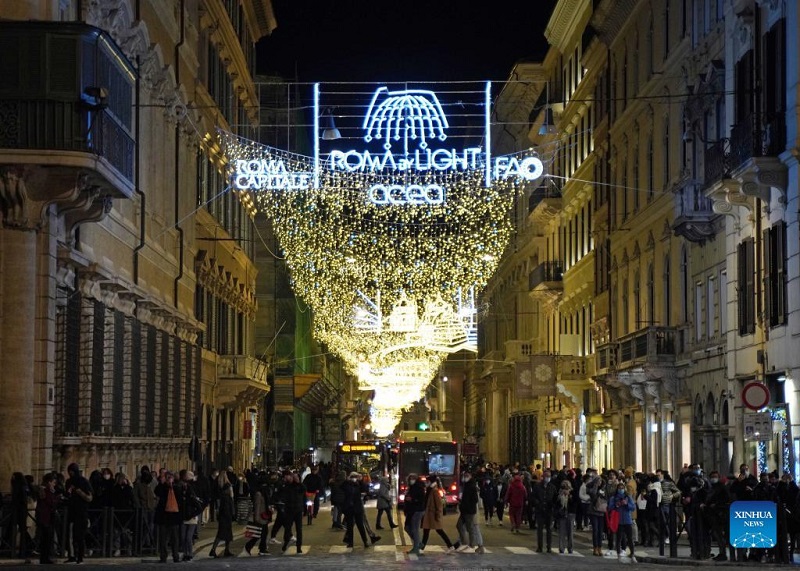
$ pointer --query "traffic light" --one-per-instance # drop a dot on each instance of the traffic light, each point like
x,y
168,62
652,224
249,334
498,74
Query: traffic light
x,y
423,426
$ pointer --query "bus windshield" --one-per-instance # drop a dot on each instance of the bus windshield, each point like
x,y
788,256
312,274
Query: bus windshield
x,y
361,457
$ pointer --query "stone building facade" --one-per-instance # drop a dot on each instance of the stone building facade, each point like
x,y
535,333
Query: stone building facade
x,y
128,282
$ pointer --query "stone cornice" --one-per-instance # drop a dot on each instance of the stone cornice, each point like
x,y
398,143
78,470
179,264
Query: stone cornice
x,y
563,22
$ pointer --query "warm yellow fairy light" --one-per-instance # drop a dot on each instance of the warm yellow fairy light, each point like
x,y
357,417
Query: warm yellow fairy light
x,y
342,249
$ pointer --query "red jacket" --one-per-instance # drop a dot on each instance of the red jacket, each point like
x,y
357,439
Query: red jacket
x,y
516,494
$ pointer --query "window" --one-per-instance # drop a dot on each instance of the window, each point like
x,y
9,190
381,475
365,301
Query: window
x,y
698,311
710,310
746,294
651,296
723,303
665,166
635,183
667,292
775,274
666,28
624,307
684,286
637,301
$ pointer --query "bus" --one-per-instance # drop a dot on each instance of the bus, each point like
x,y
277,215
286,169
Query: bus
x,y
365,457
428,453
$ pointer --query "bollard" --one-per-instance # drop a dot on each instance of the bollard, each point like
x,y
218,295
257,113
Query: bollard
x,y
673,528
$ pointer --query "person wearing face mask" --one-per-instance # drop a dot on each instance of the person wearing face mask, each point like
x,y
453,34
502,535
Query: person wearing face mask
x,y
611,490
488,492
543,496
414,511
467,525
353,510
623,504
715,512
695,489
434,516
742,488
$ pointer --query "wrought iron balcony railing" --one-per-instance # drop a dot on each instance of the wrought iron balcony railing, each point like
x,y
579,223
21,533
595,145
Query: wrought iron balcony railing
x,y
545,272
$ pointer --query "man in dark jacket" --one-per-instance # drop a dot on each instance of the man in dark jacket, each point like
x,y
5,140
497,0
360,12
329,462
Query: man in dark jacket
x,y
313,483
488,493
543,496
353,510
337,499
414,509
293,498
79,496
467,524
169,515
715,513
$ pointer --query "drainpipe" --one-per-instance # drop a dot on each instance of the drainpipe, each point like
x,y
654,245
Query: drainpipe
x,y
137,173
177,153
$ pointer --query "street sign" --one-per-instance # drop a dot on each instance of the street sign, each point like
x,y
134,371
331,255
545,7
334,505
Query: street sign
x,y
755,395
757,426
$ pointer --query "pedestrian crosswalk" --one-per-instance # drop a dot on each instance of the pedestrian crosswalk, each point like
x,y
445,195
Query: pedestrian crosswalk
x,y
400,552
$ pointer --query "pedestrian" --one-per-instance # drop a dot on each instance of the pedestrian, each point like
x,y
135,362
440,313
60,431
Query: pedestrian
x,y
516,496
715,513
623,505
143,492
293,498
565,510
353,510
594,495
168,516
225,516
414,511
434,515
46,508
488,492
123,501
337,499
262,515
467,525
20,493
384,504
543,496
79,496
192,507
501,487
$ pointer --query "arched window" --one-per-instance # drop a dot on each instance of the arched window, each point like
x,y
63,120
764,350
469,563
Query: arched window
x,y
650,175
665,319
637,301
666,28
684,275
651,296
666,155
624,308
635,179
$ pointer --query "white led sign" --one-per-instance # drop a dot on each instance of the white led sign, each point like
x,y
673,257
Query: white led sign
x,y
395,118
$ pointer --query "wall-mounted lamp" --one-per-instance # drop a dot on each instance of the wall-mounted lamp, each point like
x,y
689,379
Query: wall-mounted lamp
x,y
670,427
654,427
610,434
555,433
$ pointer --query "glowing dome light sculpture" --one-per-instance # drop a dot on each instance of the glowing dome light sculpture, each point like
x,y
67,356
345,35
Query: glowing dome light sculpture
x,y
388,246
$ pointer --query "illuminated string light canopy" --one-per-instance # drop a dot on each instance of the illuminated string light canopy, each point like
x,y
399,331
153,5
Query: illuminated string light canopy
x,y
388,242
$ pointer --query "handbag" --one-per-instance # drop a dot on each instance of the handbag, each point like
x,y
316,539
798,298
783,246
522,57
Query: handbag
x,y
600,504
612,519
172,502
252,531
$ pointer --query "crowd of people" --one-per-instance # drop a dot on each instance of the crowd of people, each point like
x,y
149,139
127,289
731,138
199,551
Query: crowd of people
x,y
622,509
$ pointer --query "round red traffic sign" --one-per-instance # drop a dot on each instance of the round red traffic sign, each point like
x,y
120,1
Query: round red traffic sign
x,y
755,395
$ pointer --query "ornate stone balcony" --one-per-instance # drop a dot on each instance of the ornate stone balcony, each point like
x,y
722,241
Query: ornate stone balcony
x,y
546,282
519,351
695,218
242,380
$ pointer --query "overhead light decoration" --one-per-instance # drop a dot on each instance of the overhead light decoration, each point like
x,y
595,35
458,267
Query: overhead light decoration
x,y
388,243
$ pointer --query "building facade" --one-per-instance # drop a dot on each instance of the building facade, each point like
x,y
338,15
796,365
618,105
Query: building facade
x,y
670,280
127,266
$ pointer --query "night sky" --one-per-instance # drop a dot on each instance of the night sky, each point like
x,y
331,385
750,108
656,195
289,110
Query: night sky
x,y
403,40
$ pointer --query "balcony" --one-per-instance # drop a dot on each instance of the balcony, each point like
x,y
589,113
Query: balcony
x,y
546,282
656,345
757,136
576,368
519,351
606,357
66,100
694,216
242,380
544,203
717,162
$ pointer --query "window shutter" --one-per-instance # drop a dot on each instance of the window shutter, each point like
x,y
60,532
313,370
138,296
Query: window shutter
x,y
768,272
779,247
750,280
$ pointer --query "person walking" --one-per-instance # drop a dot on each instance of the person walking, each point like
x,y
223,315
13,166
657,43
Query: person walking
x,y
46,518
261,514
79,496
414,511
384,504
353,510
225,515
191,508
168,516
469,533
313,483
566,506
622,504
434,514
543,495
515,498
293,498
337,499
488,492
